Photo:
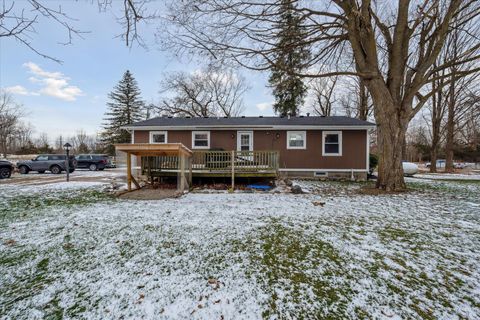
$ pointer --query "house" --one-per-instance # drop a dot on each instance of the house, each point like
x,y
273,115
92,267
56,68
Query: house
x,y
304,146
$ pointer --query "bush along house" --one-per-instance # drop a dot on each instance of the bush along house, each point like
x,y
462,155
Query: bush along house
x,y
304,146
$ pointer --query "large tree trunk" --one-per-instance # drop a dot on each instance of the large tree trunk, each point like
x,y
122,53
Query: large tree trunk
x,y
436,117
449,142
391,138
433,160
450,127
363,101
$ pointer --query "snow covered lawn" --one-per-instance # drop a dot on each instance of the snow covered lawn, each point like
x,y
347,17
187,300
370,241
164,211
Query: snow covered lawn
x,y
71,251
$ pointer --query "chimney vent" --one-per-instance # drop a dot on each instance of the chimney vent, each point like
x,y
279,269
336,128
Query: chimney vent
x,y
308,114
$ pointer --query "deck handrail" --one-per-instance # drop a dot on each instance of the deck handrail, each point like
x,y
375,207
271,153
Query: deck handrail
x,y
220,161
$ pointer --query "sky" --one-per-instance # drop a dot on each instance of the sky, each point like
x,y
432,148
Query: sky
x,y
63,98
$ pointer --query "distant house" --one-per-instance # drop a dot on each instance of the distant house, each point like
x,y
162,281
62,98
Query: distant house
x,y
303,146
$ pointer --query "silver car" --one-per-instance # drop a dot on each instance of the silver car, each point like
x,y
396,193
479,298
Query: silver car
x,y
55,163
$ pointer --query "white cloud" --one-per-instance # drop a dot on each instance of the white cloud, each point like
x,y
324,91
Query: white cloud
x,y
17,90
54,84
264,106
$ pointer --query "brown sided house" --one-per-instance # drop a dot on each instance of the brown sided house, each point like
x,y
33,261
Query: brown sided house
x,y
303,146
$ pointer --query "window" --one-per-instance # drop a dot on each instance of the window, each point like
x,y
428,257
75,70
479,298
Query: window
x,y
56,157
158,136
42,158
200,139
296,140
332,143
245,140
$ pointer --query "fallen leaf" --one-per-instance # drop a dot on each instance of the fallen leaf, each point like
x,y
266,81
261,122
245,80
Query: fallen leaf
x,y
10,242
67,246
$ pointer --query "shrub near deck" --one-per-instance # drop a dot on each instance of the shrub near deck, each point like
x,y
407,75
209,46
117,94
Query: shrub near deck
x,y
247,256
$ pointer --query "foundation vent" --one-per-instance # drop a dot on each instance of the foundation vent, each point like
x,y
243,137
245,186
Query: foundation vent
x,y
320,174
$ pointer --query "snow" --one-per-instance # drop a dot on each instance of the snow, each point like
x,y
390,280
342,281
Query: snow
x,y
268,255
448,176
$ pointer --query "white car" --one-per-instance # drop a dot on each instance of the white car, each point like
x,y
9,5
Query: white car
x,y
409,168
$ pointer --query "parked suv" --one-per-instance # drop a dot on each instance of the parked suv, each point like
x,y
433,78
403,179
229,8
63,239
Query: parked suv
x,y
55,163
92,162
6,169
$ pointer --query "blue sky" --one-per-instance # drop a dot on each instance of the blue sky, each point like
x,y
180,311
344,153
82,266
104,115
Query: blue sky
x,y
64,98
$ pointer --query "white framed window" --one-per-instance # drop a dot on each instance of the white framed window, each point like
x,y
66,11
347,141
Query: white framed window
x,y
244,140
158,136
332,143
200,139
296,139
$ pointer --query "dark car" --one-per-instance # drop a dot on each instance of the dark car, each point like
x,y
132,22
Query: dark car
x,y
6,169
92,162
55,163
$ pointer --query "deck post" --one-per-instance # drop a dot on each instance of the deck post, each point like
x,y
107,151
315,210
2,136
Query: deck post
x,y
150,170
129,172
182,172
190,177
233,170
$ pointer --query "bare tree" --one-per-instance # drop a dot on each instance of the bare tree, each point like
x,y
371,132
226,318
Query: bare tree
x,y
323,91
437,108
10,114
210,92
42,143
80,141
23,138
19,19
355,99
394,48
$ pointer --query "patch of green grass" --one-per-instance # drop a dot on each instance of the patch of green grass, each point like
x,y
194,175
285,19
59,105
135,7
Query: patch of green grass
x,y
23,206
300,270
20,287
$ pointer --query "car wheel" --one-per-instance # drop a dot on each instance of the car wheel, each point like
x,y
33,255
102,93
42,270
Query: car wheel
x,y
23,169
5,173
92,167
56,169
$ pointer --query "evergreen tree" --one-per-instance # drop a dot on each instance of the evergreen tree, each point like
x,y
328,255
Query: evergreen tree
x,y
125,107
289,89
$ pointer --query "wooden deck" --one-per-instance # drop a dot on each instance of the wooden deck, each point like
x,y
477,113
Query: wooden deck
x,y
217,164
178,151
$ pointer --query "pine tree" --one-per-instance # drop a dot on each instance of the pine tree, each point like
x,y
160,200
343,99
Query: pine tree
x,y
125,107
289,89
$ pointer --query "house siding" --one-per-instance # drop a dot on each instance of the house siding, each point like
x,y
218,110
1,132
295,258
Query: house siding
x,y
354,147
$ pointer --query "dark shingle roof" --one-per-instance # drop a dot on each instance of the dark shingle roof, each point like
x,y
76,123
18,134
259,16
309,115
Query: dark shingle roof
x,y
333,121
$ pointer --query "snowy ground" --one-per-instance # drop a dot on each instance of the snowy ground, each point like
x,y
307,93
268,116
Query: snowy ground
x,y
71,251
34,178
448,176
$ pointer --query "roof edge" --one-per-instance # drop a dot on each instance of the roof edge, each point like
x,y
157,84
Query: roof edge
x,y
257,127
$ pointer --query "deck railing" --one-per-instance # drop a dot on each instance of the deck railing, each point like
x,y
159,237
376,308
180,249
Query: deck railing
x,y
218,162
